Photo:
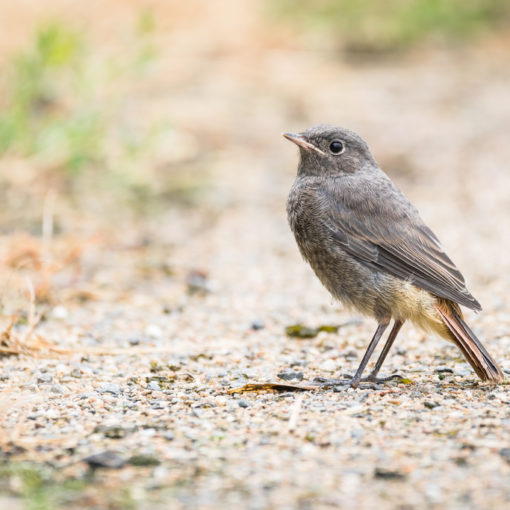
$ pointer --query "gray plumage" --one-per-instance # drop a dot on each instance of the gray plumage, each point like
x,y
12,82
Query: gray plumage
x,y
364,239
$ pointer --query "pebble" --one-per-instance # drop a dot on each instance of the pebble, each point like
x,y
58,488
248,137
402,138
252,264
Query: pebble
x,y
106,459
388,474
243,403
358,434
60,312
463,370
444,370
113,432
58,389
505,453
329,365
51,414
44,378
112,388
86,395
198,283
153,331
154,386
290,375
257,324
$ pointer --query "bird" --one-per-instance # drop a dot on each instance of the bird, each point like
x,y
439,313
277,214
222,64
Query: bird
x,y
368,245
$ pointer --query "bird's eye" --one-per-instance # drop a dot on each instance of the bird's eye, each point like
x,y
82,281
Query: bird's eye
x,y
336,147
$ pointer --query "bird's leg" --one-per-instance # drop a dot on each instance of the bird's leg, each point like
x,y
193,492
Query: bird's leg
x,y
370,350
372,377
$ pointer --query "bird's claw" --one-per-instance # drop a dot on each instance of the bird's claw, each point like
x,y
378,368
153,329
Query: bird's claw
x,y
325,382
374,378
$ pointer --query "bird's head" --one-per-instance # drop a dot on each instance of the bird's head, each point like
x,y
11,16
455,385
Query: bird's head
x,y
329,150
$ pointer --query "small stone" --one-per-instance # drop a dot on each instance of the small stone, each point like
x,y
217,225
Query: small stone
x,y
106,459
112,432
51,414
153,331
431,405
462,370
112,388
358,434
58,389
44,378
60,312
433,493
154,386
329,365
290,375
505,453
387,474
169,436
443,370
86,395
76,373
243,403
198,282
257,324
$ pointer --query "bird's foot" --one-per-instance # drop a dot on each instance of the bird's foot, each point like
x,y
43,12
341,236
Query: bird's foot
x,y
349,380
379,380
325,382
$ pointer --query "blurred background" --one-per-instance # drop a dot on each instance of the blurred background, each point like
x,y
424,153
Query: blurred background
x,y
143,123
143,181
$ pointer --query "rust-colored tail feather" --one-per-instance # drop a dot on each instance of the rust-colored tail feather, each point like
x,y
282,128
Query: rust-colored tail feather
x,y
474,352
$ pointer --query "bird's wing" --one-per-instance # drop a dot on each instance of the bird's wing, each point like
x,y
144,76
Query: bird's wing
x,y
386,238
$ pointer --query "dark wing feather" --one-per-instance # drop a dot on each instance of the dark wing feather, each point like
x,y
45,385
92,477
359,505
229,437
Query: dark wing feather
x,y
395,240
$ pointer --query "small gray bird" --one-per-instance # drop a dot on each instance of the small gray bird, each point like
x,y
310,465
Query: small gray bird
x,y
369,247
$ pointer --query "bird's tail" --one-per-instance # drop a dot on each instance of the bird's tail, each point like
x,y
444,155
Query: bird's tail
x,y
474,352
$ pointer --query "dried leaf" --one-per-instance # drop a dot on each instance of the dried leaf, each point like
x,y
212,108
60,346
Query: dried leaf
x,y
271,386
301,331
329,328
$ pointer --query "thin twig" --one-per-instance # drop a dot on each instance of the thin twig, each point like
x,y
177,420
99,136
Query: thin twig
x,y
294,416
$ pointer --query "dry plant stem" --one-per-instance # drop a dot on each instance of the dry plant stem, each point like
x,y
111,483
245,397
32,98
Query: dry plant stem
x,y
295,411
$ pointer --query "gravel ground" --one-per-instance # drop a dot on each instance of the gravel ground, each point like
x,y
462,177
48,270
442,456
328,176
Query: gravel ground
x,y
129,406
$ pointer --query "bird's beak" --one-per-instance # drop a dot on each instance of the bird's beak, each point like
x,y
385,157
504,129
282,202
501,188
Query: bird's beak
x,y
300,141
